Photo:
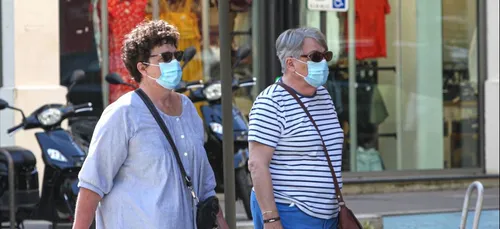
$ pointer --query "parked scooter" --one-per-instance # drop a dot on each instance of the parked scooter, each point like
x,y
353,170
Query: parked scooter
x,y
63,159
212,116
81,127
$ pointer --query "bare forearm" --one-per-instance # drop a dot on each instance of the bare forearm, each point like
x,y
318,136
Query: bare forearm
x,y
85,208
221,221
263,186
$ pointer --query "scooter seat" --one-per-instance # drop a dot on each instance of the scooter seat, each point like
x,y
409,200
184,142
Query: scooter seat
x,y
20,156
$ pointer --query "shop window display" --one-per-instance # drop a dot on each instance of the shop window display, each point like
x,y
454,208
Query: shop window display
x,y
80,27
416,84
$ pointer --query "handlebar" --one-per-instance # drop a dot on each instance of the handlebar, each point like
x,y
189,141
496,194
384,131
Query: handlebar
x,y
194,85
82,107
33,121
15,128
200,84
247,83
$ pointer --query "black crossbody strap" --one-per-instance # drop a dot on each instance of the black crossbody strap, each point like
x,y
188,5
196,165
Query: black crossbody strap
x,y
163,127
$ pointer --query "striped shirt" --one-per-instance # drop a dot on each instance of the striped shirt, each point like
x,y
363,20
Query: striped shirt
x,y
299,169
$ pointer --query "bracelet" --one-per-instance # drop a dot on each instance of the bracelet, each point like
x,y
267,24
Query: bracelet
x,y
267,212
271,220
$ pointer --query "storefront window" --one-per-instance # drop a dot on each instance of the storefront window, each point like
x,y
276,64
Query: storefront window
x,y
78,51
81,41
416,83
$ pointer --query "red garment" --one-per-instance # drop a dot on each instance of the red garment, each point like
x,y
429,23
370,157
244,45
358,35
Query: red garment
x,y
370,28
123,17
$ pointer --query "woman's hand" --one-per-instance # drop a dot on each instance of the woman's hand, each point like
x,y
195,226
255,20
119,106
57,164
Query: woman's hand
x,y
221,221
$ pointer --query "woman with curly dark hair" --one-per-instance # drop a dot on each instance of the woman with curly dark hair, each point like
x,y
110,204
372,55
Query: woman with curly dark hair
x,y
131,178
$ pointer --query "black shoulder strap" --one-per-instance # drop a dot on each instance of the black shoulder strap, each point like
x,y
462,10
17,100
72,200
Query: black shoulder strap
x,y
163,127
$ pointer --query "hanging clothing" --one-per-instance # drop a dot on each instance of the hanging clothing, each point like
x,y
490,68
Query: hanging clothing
x,y
124,15
472,62
370,29
368,160
186,22
378,110
242,23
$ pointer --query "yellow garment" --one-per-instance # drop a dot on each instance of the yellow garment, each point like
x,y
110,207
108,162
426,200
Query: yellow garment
x,y
187,24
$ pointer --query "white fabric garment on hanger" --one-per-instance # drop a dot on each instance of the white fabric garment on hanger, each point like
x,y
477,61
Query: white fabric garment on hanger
x,y
332,30
472,62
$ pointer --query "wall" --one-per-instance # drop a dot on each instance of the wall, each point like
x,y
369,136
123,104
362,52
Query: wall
x,y
492,90
30,59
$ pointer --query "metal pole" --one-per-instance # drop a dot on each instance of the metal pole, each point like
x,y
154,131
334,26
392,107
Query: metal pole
x,y
257,47
227,116
479,204
205,29
399,85
322,21
156,9
351,16
12,196
105,52
275,69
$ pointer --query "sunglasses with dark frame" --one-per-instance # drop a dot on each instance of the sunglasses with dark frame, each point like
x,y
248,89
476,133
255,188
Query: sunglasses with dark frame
x,y
168,56
317,56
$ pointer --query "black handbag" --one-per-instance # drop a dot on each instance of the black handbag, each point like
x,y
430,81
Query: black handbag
x,y
206,211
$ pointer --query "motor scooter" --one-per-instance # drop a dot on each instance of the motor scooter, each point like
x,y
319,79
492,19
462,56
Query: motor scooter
x,y
212,117
63,159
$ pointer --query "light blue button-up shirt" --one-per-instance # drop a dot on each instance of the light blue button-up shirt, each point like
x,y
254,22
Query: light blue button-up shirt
x,y
132,167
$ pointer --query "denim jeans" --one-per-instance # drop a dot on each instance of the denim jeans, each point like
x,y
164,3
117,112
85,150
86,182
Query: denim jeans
x,y
291,217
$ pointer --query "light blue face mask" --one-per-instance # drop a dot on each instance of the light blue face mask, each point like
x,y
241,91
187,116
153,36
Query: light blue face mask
x,y
317,72
171,74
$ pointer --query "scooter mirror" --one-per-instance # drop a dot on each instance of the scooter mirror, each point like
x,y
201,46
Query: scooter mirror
x,y
3,104
189,54
114,78
77,76
243,52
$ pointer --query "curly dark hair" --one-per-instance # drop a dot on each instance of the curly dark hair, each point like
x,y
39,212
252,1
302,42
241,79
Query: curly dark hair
x,y
138,44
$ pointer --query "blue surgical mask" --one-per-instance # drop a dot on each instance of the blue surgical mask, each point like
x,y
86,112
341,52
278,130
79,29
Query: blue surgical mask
x,y
317,73
171,74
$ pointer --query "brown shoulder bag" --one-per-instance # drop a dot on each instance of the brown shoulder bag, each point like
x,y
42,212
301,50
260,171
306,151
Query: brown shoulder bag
x,y
346,218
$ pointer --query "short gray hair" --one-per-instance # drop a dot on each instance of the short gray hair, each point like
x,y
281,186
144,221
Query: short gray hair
x,y
289,43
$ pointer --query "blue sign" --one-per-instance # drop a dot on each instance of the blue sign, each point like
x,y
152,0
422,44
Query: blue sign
x,y
328,5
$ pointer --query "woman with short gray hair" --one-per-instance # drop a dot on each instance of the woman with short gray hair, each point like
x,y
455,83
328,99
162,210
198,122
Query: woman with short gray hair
x,y
295,139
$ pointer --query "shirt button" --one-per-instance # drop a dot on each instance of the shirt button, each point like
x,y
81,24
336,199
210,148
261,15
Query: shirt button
x,y
177,119
182,136
185,154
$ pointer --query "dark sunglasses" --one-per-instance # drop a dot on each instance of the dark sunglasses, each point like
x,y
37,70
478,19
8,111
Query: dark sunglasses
x,y
317,56
168,56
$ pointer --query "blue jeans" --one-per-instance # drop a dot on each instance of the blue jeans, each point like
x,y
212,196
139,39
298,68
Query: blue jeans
x,y
291,217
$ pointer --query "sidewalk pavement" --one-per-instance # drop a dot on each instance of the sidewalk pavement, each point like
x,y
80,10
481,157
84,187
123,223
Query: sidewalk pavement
x,y
366,206
378,204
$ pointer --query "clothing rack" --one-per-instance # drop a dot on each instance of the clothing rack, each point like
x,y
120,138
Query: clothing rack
x,y
367,74
345,69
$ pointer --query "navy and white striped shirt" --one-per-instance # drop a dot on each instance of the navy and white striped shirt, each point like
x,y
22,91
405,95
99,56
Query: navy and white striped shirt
x,y
299,169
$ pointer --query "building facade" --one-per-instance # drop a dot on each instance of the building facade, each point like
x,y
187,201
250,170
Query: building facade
x,y
426,84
